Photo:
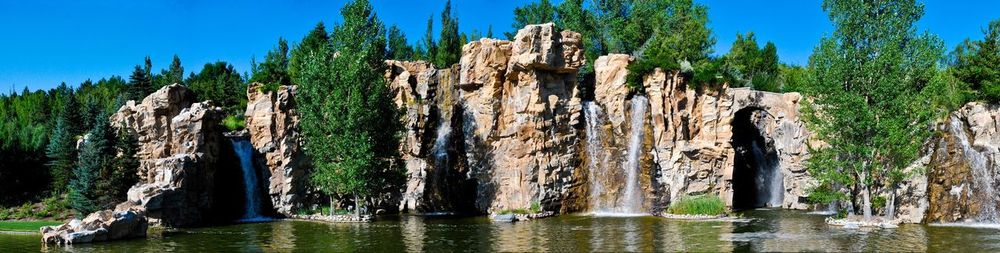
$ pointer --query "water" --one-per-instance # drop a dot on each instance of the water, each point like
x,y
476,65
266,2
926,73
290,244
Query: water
x,y
440,148
632,201
768,230
244,150
770,181
982,175
595,154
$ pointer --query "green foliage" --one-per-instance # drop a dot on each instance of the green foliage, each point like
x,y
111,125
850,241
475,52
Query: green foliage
x,y
698,205
672,33
536,207
793,78
398,48
140,84
173,74
976,63
61,152
234,123
349,121
868,104
427,49
220,83
534,13
449,47
96,157
754,67
316,40
273,72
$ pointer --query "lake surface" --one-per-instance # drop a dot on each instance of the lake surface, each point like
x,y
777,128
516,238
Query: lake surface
x,y
762,230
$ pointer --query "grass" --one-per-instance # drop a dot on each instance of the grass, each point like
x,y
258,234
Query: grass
x,y
26,226
535,208
698,205
234,123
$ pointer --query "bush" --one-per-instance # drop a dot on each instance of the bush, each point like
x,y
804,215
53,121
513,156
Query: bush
x,y
234,123
698,205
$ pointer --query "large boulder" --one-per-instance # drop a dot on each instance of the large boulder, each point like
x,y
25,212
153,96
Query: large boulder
x,y
272,122
98,226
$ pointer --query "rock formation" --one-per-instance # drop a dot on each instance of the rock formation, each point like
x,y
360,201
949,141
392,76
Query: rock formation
x,y
691,133
273,124
962,163
178,143
520,110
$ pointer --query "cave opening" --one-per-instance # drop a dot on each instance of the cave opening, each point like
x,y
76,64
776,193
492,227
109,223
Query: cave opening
x,y
757,180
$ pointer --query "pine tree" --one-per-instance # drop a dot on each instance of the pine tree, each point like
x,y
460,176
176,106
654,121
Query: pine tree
x,y
61,152
274,70
139,84
398,48
173,74
429,47
93,165
349,121
533,13
222,84
449,48
976,63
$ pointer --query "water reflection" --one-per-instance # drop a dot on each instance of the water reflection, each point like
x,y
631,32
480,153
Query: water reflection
x,y
764,231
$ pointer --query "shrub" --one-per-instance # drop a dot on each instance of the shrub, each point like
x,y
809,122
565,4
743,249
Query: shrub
x,y
234,123
698,205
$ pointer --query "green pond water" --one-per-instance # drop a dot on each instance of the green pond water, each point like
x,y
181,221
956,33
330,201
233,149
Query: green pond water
x,y
762,230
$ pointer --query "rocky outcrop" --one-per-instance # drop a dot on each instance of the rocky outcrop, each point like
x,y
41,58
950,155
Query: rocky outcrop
x,y
273,124
178,143
98,226
178,146
691,134
962,166
520,109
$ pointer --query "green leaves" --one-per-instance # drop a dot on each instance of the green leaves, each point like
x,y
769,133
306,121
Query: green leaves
x,y
975,63
220,83
349,121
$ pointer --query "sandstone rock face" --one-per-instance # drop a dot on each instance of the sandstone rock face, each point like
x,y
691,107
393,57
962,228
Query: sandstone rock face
x,y
436,176
963,162
520,110
178,147
178,142
690,134
273,124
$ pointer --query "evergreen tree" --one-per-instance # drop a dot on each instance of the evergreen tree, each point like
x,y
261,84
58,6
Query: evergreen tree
x,y
398,48
222,84
672,34
274,70
755,67
61,152
977,63
349,121
120,174
139,84
449,47
171,75
429,47
869,104
95,156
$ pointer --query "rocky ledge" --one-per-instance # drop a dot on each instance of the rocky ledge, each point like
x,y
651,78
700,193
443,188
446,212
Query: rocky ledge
x,y
99,226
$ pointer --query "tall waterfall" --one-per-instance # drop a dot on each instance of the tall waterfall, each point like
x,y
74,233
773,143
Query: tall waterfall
x,y
440,148
595,153
982,175
770,181
632,201
244,150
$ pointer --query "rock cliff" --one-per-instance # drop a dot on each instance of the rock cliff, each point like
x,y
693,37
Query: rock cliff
x,y
273,125
962,166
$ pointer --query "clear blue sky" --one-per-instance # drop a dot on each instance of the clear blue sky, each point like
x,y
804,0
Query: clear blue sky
x,y
48,42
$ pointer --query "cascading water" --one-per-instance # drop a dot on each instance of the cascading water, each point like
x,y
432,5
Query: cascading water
x,y
244,150
985,192
632,199
440,148
595,153
769,183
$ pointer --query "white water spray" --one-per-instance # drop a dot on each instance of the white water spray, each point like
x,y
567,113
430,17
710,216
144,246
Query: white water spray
x,y
595,153
632,199
982,175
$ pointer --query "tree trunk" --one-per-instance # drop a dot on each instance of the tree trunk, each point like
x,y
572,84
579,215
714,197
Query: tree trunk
x,y
866,197
890,204
331,206
357,206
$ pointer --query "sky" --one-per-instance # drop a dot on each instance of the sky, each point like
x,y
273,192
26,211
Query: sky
x,y
45,43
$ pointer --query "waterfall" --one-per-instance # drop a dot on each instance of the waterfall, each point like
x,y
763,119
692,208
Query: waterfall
x,y
982,175
632,201
440,148
244,150
595,153
769,180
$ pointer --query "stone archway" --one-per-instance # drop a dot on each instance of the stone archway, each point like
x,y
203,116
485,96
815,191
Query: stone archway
x,y
757,174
